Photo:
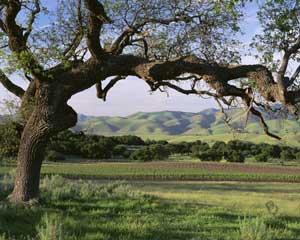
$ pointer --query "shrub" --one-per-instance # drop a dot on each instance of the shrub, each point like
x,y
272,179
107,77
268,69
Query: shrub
x,y
262,157
7,181
287,155
96,150
152,152
180,148
210,155
220,147
234,156
142,154
128,140
198,148
297,156
119,150
53,156
58,188
9,139
159,151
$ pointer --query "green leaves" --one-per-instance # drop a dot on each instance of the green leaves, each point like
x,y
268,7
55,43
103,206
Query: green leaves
x,y
280,29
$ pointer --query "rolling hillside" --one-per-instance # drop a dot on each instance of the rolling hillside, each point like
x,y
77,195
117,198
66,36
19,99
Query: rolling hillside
x,y
207,122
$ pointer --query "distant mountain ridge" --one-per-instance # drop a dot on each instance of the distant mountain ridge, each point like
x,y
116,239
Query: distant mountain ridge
x,y
206,122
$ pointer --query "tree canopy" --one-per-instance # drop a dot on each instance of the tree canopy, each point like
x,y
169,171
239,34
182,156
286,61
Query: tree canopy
x,y
84,42
165,43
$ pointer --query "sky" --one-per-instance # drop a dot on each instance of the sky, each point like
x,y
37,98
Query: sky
x,y
132,95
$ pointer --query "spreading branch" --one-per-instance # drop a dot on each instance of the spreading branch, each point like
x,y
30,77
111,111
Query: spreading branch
x,y
123,40
102,92
218,77
17,40
34,13
97,17
284,82
10,86
295,75
72,47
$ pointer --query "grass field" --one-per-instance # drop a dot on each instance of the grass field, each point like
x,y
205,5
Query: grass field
x,y
157,202
287,139
173,171
156,211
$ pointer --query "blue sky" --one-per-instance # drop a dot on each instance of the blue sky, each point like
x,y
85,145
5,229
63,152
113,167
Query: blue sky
x,y
132,95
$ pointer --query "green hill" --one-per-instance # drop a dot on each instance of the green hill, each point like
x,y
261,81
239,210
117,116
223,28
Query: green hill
x,y
207,125
170,123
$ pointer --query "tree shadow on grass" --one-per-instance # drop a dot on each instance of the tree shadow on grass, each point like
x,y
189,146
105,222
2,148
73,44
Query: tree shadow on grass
x,y
17,221
130,218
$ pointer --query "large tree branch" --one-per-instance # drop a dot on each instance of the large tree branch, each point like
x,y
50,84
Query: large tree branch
x,y
284,82
123,39
162,73
263,123
10,86
97,17
295,75
102,92
17,41
216,76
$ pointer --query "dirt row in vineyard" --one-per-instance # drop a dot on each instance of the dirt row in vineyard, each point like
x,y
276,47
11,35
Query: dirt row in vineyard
x,y
223,167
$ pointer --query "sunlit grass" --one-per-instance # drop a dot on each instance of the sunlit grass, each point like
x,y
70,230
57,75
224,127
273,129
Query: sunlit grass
x,y
102,210
233,195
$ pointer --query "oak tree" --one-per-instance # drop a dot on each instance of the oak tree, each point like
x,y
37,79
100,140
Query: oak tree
x,y
186,45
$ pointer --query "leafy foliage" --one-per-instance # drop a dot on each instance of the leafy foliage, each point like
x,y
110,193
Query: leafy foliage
x,y
280,29
9,139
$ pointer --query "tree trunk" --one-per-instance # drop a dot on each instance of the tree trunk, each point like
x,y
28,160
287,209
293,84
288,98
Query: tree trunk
x,y
30,156
49,117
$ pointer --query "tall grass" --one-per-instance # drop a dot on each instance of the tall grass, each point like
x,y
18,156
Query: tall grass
x,y
50,228
254,229
89,210
58,188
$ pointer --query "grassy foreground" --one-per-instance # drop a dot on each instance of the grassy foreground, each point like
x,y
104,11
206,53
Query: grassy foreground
x,y
155,211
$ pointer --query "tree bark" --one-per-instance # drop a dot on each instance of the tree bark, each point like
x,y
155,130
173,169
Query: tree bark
x,y
50,116
30,157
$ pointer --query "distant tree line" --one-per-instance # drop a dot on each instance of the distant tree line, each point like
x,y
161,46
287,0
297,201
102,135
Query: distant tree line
x,y
134,148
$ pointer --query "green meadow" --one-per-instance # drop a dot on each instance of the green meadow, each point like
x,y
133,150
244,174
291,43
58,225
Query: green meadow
x,y
155,210
289,139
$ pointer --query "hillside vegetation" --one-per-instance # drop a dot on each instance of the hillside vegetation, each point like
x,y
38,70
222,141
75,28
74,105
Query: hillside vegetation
x,y
209,122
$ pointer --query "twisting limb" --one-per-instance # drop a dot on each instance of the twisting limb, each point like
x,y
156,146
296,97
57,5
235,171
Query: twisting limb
x,y
217,77
17,40
227,119
122,41
10,86
295,75
157,85
2,26
282,81
72,47
263,123
32,17
97,17
102,92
